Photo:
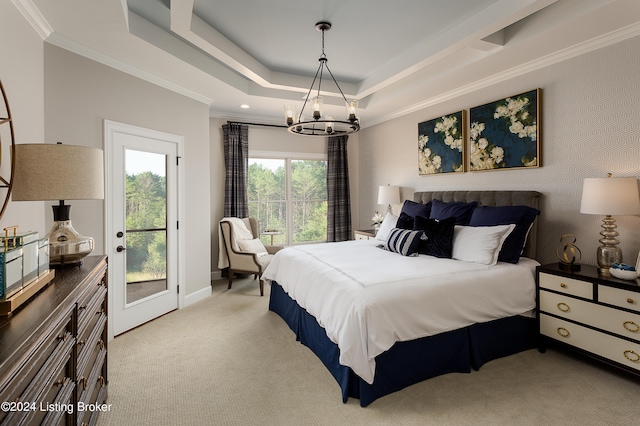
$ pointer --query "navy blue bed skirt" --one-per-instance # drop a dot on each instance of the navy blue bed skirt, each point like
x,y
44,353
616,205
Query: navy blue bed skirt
x,y
410,362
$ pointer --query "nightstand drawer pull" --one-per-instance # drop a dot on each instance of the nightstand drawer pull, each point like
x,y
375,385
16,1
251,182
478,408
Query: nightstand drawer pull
x,y
631,326
632,356
564,307
563,285
563,332
630,300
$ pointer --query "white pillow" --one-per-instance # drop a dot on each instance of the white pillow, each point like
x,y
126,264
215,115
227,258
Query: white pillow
x,y
252,246
388,223
479,244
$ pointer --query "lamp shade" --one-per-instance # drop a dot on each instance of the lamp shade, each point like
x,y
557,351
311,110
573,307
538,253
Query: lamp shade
x,y
610,196
388,194
57,172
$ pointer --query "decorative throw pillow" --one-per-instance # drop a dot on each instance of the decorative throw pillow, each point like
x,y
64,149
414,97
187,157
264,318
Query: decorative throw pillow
x,y
413,209
461,211
252,246
388,223
521,216
439,236
403,241
479,244
405,221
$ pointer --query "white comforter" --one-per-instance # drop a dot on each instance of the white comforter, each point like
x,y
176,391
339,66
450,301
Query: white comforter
x,y
367,298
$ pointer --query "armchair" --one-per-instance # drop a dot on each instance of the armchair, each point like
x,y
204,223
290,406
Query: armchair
x,y
244,254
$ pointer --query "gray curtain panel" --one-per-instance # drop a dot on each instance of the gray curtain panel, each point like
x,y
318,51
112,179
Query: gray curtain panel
x,y
339,206
236,161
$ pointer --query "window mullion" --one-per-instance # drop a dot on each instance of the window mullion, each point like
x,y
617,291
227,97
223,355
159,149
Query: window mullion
x,y
288,203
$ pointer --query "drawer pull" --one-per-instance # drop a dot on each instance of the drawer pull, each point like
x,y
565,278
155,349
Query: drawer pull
x,y
631,326
63,337
630,300
101,380
564,307
563,332
632,356
563,285
58,382
101,344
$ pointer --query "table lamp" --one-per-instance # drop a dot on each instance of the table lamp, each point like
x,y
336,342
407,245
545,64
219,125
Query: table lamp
x,y
389,195
609,196
45,172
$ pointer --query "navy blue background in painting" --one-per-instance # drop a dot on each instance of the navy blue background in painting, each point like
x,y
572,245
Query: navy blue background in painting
x,y
451,159
519,150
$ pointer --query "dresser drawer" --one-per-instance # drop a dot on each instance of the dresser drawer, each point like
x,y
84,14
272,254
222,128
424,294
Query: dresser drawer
x,y
619,322
611,347
619,297
566,285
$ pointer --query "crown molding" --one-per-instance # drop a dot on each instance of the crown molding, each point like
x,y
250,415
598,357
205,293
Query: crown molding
x,y
34,17
562,55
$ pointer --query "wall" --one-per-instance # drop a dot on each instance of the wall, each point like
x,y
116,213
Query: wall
x,y
81,93
21,72
590,126
273,140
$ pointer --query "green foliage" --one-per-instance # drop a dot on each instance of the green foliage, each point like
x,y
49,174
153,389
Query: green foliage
x,y
267,199
146,209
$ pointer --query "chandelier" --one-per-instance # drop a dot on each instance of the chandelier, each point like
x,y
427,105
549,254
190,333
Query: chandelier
x,y
322,125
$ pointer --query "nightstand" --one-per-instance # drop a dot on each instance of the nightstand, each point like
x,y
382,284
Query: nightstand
x,y
593,314
365,234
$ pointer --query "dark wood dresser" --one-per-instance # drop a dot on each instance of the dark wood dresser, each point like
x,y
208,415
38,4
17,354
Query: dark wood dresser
x,y
53,351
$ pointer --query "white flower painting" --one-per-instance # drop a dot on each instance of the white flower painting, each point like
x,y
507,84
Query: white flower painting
x,y
441,145
505,133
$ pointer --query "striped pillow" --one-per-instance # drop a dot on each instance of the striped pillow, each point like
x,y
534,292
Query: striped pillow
x,y
403,241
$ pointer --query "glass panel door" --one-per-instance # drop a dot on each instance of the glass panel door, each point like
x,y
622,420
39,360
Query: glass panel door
x,y
146,224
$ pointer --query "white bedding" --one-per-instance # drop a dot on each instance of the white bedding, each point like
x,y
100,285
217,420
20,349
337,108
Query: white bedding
x,y
367,299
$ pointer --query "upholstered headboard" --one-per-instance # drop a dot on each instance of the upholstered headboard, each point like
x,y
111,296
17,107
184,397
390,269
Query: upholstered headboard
x,y
491,198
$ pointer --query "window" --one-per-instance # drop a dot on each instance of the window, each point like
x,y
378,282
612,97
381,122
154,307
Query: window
x,y
289,197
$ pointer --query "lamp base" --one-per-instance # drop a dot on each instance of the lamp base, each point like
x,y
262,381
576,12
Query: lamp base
x,y
66,246
607,256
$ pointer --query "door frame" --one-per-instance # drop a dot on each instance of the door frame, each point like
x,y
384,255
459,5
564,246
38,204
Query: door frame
x,y
110,128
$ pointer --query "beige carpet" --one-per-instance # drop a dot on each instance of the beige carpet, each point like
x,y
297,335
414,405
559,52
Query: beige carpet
x,y
227,360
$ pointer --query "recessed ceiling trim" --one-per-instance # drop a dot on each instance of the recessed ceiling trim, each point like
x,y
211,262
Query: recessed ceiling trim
x,y
613,37
34,17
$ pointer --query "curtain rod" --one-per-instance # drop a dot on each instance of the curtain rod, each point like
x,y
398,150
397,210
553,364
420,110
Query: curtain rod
x,y
257,124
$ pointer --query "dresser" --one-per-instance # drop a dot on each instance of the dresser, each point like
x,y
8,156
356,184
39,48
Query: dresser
x,y
593,314
53,351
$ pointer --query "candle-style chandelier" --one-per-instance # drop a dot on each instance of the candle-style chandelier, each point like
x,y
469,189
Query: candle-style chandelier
x,y
322,125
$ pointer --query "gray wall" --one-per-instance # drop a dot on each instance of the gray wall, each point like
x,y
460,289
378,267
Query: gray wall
x,y
81,93
590,126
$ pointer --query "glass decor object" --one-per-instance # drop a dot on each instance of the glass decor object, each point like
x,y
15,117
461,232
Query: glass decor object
x,y
609,196
60,172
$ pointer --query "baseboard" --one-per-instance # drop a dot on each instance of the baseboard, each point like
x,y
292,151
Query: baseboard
x,y
216,275
199,295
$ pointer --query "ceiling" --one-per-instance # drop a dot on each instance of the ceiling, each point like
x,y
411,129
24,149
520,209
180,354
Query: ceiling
x,y
394,57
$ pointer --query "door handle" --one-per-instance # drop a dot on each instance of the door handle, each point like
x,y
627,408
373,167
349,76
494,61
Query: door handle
x,y
120,249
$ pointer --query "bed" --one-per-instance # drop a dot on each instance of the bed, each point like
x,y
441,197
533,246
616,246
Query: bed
x,y
380,321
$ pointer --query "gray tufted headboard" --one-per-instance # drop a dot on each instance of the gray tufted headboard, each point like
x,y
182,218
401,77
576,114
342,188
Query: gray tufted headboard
x,y
491,198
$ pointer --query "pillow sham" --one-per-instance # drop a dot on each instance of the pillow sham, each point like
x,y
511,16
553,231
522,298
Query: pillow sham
x,y
521,216
405,221
388,223
439,236
479,244
252,246
403,241
458,209
413,209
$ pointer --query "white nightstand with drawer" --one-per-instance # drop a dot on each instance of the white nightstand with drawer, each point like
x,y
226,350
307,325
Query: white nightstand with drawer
x,y
596,315
365,234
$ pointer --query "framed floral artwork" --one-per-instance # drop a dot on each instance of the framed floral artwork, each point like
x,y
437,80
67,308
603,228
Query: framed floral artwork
x,y
441,145
506,133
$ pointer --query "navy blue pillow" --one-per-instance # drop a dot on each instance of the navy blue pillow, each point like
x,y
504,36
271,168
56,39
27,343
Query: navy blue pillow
x,y
439,233
403,241
460,210
521,216
404,221
413,209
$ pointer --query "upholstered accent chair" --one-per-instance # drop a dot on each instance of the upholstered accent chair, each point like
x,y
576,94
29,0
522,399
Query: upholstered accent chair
x,y
245,252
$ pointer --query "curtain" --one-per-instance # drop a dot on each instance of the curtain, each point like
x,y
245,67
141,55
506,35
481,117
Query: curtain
x,y
236,161
339,206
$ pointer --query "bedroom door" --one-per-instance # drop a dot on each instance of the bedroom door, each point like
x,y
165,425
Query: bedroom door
x,y
142,231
